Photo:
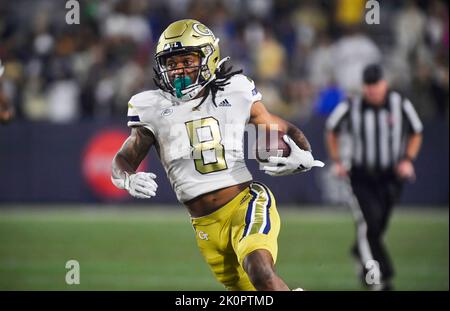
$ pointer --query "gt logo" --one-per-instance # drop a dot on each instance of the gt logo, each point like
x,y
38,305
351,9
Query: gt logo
x,y
203,30
202,235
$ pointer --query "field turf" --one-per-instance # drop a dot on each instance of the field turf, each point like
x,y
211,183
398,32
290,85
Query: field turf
x,y
126,248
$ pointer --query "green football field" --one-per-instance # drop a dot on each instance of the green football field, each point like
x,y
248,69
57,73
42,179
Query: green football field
x,y
154,249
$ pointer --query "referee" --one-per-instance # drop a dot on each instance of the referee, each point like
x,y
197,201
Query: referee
x,y
385,134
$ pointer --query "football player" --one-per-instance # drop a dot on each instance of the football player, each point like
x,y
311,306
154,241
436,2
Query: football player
x,y
196,121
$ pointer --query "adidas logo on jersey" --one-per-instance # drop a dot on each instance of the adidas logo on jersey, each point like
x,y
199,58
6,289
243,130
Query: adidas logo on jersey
x,y
224,103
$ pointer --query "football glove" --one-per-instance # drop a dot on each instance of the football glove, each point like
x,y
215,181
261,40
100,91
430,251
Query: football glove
x,y
141,185
298,161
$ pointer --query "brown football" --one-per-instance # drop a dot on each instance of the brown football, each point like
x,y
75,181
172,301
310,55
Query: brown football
x,y
271,144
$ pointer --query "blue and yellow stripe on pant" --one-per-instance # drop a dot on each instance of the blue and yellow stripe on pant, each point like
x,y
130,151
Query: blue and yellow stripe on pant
x,y
248,222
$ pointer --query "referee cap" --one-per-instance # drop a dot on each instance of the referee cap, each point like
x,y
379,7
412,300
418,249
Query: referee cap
x,y
372,73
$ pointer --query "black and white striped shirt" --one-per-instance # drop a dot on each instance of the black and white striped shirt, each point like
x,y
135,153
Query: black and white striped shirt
x,y
379,134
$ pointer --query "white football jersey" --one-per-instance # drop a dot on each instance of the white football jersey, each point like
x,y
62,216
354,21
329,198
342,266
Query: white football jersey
x,y
201,149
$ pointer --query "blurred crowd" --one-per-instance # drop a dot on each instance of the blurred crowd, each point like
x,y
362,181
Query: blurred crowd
x,y
305,55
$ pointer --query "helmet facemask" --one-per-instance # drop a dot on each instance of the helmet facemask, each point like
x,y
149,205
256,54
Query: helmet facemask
x,y
183,87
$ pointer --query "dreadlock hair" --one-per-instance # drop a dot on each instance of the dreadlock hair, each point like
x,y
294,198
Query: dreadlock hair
x,y
223,75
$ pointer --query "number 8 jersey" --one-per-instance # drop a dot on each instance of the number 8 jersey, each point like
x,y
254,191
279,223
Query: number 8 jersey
x,y
200,146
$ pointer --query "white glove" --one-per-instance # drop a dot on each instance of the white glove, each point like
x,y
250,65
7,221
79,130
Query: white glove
x,y
141,185
298,161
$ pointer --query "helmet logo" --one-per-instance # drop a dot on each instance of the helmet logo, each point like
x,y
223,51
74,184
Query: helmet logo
x,y
203,30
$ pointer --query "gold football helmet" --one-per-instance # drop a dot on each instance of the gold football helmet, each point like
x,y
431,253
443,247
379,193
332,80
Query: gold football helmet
x,y
182,37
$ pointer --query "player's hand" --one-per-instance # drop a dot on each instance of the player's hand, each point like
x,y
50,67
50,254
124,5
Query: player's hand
x,y
141,185
297,162
405,170
339,170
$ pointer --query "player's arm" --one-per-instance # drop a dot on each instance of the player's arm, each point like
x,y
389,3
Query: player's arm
x,y
332,142
127,160
332,145
333,127
300,158
260,115
405,167
413,146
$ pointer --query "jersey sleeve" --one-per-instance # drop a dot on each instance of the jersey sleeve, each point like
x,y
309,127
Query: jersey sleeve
x,y
338,117
247,92
135,115
255,94
412,117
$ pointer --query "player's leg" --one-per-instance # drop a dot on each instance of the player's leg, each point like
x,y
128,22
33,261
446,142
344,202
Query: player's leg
x,y
367,212
391,187
213,234
259,266
255,227
375,205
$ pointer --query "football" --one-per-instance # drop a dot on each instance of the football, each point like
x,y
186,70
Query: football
x,y
271,144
